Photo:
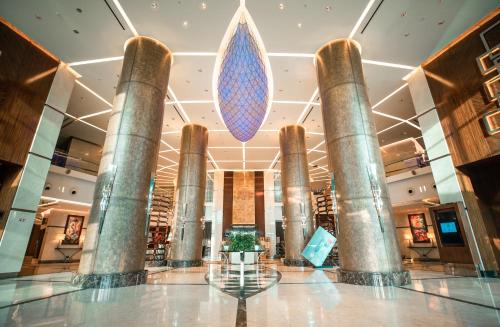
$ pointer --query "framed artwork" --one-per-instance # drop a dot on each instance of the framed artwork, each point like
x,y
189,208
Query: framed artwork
x,y
418,228
73,230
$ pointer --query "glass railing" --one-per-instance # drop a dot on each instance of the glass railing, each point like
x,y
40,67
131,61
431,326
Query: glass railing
x,y
62,159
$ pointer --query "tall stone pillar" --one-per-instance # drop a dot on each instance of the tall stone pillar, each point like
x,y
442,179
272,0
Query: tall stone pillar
x,y
114,249
191,178
368,247
296,187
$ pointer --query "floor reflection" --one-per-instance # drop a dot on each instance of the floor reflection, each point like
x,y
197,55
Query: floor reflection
x,y
273,295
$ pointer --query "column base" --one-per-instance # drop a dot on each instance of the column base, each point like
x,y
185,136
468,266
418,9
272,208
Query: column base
x,y
184,263
296,263
395,278
110,280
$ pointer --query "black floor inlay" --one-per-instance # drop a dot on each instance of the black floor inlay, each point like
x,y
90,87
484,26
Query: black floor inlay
x,y
450,298
255,280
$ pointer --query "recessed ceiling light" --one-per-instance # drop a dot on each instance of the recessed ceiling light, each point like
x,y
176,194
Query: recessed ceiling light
x,y
282,6
404,13
185,24
299,25
79,10
76,32
407,34
155,5
441,22
328,8
203,5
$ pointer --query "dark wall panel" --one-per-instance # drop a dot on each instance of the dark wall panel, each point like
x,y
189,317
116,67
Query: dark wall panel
x,y
260,220
227,209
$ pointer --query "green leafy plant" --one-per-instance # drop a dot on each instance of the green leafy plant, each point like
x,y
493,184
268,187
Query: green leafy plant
x,y
242,242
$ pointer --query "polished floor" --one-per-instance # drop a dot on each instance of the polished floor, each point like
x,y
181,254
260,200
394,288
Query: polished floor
x,y
275,296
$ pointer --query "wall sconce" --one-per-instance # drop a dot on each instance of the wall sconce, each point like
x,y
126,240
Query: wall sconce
x,y
408,238
431,237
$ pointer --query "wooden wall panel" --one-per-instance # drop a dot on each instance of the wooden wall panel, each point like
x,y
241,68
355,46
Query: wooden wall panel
x,y
456,85
26,74
227,203
260,220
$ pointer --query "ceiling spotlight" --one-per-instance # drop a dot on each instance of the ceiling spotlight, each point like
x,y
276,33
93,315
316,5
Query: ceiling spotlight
x,y
203,6
282,6
328,8
299,25
185,24
155,5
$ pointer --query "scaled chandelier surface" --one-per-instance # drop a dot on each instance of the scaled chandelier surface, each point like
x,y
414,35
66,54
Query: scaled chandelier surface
x,y
242,79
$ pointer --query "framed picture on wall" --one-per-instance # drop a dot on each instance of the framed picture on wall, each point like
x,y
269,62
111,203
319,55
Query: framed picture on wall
x,y
418,228
73,230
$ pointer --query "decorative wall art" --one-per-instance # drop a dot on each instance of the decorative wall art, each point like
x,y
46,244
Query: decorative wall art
x,y
73,230
418,228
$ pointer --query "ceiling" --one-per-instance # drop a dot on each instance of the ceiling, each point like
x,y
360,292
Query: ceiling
x,y
402,32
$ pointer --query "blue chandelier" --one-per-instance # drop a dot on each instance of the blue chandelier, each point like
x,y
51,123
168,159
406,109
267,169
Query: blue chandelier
x,y
242,78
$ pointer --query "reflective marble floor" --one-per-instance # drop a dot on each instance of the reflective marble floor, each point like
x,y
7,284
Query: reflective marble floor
x,y
276,296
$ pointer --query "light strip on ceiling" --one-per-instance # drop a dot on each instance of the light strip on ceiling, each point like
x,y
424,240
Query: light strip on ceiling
x,y
168,159
386,64
94,61
395,118
181,108
274,160
391,116
317,146
290,54
84,122
320,167
169,146
301,116
94,93
65,201
361,18
195,54
323,157
407,121
389,96
212,159
190,102
178,104
243,151
169,150
296,102
124,15
211,102
309,103
96,114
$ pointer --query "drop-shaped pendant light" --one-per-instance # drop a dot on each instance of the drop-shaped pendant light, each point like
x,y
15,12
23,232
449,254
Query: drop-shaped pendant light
x,y
242,79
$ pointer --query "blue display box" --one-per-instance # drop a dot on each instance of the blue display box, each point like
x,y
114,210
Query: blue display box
x,y
319,247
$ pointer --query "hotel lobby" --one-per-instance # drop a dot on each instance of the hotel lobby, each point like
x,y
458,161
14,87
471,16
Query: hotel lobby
x,y
250,163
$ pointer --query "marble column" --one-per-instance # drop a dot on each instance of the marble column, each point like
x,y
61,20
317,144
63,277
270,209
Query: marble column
x,y
114,249
368,247
296,187
191,178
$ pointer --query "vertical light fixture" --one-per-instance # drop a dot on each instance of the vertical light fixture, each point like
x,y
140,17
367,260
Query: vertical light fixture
x,y
242,77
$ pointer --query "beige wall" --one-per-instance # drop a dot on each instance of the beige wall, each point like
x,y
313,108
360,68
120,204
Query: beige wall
x,y
404,234
54,233
244,197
